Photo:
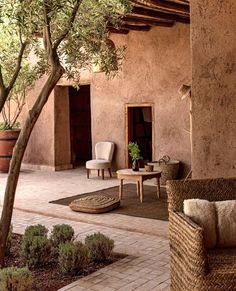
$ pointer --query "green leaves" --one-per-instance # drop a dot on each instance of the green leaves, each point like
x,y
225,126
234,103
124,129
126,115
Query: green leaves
x,y
73,33
134,151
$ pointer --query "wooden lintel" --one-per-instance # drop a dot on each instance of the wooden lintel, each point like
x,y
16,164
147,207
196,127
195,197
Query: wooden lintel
x,y
159,14
148,21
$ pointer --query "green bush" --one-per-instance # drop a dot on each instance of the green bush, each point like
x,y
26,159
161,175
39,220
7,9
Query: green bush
x,y
15,279
62,233
100,246
36,247
73,257
9,241
36,230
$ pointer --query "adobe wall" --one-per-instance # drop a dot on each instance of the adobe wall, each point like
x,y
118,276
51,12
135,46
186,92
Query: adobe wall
x,y
213,88
157,63
40,149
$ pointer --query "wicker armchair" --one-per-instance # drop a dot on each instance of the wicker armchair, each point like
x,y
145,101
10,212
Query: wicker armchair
x,y
192,266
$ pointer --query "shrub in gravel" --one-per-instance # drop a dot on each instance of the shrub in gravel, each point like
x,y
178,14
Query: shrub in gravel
x,y
73,257
100,246
62,233
36,247
15,279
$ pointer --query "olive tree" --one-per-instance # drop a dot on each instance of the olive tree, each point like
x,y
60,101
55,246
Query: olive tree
x,y
54,38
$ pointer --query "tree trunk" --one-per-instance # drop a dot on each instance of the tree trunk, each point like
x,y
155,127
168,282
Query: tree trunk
x,y
3,97
18,153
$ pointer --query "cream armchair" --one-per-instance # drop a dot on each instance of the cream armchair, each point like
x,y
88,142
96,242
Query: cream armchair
x,y
103,158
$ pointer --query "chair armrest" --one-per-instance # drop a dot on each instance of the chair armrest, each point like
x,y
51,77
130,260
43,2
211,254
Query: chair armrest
x,y
186,244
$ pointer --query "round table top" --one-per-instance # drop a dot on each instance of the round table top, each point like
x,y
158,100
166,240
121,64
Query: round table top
x,y
138,173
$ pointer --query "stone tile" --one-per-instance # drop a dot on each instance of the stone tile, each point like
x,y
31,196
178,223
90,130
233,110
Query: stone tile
x,y
147,265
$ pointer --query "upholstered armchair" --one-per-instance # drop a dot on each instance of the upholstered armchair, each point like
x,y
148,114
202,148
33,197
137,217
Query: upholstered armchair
x,y
193,267
103,158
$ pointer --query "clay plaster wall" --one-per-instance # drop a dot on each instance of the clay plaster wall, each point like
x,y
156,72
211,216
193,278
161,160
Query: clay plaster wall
x,y
157,63
213,88
40,149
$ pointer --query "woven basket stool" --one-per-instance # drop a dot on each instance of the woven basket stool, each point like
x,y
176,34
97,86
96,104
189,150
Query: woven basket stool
x,y
94,204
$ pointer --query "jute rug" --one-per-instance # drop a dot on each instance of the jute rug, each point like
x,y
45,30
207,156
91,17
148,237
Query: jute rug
x,y
152,207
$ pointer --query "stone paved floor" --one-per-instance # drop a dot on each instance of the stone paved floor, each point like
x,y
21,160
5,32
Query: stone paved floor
x,y
144,240
36,188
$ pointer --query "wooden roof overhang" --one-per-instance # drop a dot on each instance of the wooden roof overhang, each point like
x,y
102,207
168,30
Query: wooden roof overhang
x,y
149,13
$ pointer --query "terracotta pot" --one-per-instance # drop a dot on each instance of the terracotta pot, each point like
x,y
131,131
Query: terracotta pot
x,y
8,140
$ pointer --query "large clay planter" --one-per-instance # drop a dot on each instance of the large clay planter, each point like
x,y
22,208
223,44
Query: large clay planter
x,y
8,140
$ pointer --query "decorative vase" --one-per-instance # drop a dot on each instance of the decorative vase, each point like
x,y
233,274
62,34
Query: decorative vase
x,y
135,165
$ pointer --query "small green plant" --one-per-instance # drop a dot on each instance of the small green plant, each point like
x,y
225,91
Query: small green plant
x,y
73,257
9,241
37,252
62,233
36,230
15,279
100,246
134,151
36,247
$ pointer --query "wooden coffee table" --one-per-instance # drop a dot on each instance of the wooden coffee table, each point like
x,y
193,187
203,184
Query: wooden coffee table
x,y
139,177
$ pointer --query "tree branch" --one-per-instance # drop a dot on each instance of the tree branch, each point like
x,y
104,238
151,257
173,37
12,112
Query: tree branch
x,y
3,91
47,31
70,24
18,67
2,86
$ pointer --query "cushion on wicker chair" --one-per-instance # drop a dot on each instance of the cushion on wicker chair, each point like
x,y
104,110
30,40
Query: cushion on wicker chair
x,y
226,213
95,204
203,213
218,220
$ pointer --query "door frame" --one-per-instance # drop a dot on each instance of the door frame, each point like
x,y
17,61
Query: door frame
x,y
138,104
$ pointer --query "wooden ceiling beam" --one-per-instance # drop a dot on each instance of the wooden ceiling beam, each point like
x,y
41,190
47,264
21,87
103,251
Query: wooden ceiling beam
x,y
136,27
164,5
120,30
158,14
148,21
178,1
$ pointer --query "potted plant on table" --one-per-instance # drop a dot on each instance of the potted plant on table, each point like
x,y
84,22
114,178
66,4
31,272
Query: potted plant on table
x,y
134,152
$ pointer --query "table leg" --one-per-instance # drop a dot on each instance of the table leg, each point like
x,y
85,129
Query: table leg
x,y
141,190
158,188
138,188
103,174
121,189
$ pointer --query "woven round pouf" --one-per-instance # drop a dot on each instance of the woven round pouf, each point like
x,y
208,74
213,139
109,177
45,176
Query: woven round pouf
x,y
94,204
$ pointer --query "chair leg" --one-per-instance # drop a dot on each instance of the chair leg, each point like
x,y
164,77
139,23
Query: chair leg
x,y
109,169
103,174
87,173
98,173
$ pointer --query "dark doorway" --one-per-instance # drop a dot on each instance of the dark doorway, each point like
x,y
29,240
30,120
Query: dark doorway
x,y
140,130
80,125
